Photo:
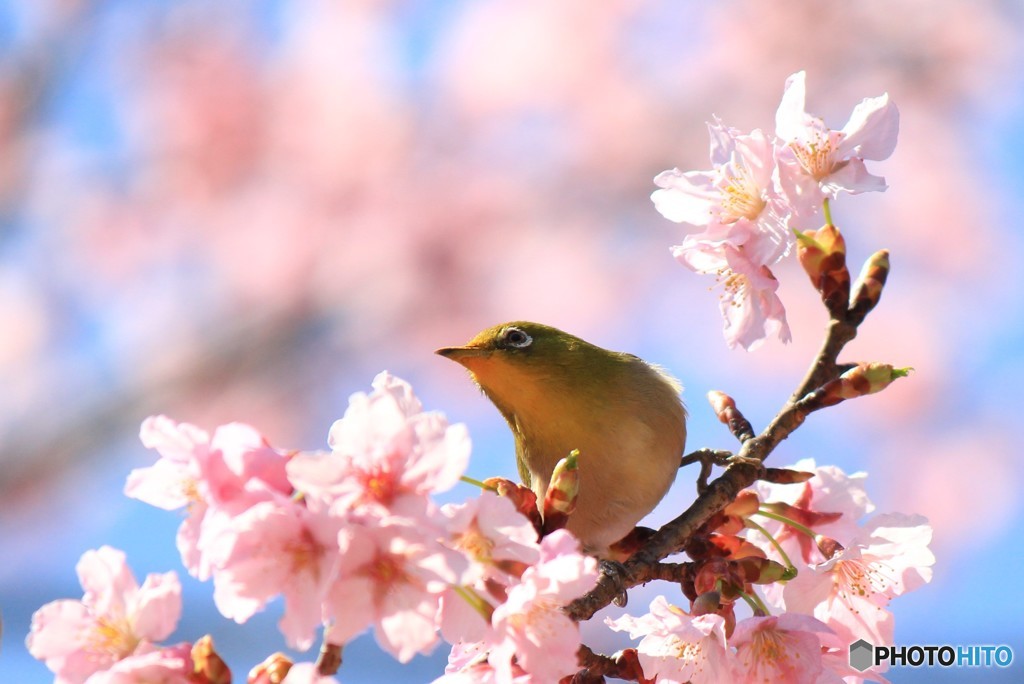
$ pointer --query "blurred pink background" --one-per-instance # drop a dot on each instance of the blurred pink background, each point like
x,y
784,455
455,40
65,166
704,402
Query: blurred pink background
x,y
244,210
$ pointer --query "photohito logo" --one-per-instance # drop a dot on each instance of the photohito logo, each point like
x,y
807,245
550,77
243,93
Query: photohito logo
x,y
864,655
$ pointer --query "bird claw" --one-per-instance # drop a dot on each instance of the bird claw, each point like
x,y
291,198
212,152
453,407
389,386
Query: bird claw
x,y
616,574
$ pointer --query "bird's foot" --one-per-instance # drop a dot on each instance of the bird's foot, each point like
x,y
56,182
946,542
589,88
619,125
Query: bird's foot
x,y
616,574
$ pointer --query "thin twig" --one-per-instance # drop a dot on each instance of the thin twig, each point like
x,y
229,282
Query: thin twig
x,y
839,334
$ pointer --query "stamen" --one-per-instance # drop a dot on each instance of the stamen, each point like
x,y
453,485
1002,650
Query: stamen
x,y
741,197
113,636
736,286
816,156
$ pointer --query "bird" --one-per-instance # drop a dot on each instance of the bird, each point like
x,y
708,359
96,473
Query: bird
x,y
558,393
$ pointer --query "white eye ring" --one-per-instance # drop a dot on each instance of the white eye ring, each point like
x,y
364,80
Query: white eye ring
x,y
516,337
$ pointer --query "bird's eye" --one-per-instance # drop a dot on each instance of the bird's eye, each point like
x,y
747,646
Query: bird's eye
x,y
514,337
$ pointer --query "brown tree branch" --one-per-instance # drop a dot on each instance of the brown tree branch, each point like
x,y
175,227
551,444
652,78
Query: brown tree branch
x,y
742,472
824,368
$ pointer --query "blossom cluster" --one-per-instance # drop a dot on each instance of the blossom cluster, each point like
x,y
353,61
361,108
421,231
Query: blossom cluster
x,y
839,576
350,537
353,540
760,191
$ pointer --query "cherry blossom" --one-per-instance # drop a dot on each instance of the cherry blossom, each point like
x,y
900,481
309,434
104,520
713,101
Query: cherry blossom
x,y
783,648
391,575
831,503
737,201
169,665
850,591
530,626
223,475
750,306
500,544
494,535
677,647
115,619
276,547
468,664
385,451
813,155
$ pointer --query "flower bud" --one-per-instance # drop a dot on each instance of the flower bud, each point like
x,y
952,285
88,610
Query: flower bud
x,y
862,379
630,669
742,507
786,476
207,665
868,288
560,500
827,545
521,497
763,570
724,407
732,546
273,670
707,603
822,253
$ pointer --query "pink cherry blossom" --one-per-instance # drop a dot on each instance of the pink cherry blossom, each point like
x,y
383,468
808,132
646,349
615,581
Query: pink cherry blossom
x,y
466,654
115,619
783,648
169,665
814,156
385,449
737,201
850,591
276,547
227,474
530,626
170,483
468,664
391,575
750,306
494,535
829,493
677,647
500,543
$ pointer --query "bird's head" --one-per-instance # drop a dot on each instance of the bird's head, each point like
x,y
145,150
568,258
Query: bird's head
x,y
518,344
506,359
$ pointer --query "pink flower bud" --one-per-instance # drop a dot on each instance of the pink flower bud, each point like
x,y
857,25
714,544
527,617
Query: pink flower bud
x,y
208,667
560,500
822,253
862,379
273,670
868,288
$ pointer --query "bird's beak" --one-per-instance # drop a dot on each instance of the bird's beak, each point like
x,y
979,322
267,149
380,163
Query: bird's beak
x,y
461,354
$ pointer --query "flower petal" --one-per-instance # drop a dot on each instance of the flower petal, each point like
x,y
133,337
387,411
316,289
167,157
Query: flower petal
x,y
158,606
791,116
685,197
853,178
872,129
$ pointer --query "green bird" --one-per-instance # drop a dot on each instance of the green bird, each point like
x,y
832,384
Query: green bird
x,y
559,393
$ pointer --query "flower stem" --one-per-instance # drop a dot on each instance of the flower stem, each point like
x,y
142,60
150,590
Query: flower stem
x,y
476,483
778,547
478,603
755,603
786,521
828,212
